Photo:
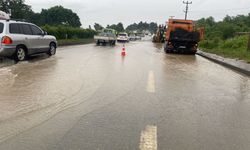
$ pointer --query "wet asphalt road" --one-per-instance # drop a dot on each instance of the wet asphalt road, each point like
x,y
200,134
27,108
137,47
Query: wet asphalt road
x,y
91,98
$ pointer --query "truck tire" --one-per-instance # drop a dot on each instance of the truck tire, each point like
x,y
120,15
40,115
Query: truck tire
x,y
192,52
110,43
98,42
166,49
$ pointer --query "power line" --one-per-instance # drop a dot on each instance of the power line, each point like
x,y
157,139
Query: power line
x,y
186,11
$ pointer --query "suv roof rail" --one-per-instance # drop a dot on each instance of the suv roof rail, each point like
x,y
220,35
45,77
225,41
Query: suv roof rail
x,y
18,20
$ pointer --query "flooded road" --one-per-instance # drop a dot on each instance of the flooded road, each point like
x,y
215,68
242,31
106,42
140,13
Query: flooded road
x,y
89,97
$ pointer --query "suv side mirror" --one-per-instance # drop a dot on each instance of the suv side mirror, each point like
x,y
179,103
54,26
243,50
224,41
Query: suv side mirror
x,y
45,33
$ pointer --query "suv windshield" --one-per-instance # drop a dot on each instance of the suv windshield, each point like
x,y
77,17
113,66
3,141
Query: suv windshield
x,y
1,27
122,35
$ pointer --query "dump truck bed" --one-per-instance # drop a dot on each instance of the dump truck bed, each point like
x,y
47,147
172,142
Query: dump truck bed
x,y
104,38
181,35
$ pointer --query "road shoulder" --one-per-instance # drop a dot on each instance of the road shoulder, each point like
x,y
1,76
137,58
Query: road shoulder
x,y
238,65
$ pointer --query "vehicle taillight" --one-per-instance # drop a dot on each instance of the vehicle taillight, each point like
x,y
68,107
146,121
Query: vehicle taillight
x,y
6,40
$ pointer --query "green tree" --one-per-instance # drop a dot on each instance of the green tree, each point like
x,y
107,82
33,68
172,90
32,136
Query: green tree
x,y
152,27
98,27
224,29
118,27
19,9
228,19
59,15
132,27
210,21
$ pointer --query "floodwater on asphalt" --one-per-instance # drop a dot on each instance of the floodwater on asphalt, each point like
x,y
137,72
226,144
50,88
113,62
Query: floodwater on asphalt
x,y
194,102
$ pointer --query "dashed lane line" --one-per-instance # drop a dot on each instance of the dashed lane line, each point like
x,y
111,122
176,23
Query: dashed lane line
x,y
148,140
151,82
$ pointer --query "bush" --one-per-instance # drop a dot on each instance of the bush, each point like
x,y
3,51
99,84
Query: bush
x,y
233,48
211,44
239,42
64,32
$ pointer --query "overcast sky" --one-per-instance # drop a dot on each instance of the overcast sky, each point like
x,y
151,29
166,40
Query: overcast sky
x,y
130,11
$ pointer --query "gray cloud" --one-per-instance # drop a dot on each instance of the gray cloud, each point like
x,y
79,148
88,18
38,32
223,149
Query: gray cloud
x,y
130,11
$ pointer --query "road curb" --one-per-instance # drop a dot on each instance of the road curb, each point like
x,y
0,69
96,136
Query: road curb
x,y
72,43
237,65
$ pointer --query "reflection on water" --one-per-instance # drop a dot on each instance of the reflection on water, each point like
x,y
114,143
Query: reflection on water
x,y
4,62
42,86
158,46
25,85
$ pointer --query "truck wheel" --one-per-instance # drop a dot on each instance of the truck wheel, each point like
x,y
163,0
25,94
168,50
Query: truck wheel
x,y
97,42
168,51
110,43
193,52
166,48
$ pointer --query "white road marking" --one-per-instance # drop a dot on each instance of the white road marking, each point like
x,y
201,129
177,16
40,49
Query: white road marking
x,y
148,139
151,82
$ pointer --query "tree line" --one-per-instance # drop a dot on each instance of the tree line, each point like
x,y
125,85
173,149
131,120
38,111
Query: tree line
x,y
60,16
227,28
225,37
216,33
53,16
138,27
58,21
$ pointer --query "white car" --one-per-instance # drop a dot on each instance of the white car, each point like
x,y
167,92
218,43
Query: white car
x,y
21,39
123,37
132,37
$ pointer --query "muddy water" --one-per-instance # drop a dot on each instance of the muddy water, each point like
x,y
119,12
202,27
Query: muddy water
x,y
45,85
192,89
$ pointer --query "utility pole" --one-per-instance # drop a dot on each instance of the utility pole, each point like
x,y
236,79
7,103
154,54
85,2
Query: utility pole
x,y
186,11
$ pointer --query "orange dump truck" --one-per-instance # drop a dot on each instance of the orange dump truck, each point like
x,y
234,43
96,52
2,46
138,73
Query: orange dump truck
x,y
182,36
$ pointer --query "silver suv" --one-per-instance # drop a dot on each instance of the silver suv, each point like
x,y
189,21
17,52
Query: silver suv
x,y
21,39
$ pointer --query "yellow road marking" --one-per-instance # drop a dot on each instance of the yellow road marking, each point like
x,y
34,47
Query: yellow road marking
x,y
151,82
148,139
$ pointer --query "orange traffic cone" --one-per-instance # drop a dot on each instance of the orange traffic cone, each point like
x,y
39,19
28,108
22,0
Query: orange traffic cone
x,y
123,51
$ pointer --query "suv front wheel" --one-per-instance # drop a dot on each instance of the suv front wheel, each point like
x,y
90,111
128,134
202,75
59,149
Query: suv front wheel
x,y
52,49
20,53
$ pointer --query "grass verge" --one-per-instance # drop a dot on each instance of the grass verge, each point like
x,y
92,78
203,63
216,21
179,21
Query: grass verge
x,y
235,48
